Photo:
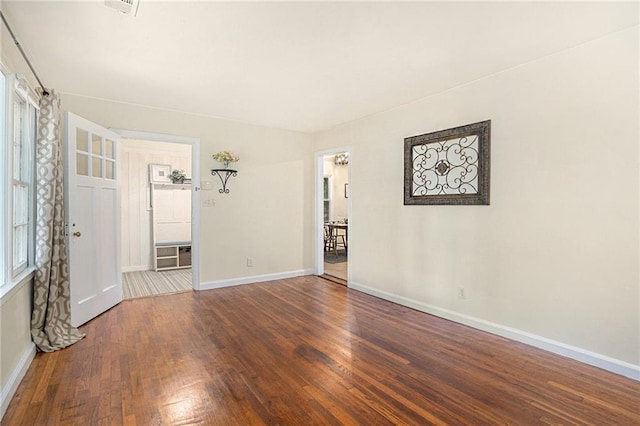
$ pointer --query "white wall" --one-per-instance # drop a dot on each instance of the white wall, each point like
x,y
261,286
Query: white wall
x,y
135,157
268,213
556,254
16,348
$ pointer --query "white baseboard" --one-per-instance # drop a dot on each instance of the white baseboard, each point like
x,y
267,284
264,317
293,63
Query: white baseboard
x,y
209,285
613,365
9,389
137,268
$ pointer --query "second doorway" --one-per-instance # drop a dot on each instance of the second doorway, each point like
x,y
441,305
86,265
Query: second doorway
x,y
335,210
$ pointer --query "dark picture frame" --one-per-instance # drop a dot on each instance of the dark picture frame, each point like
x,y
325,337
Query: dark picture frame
x,y
448,167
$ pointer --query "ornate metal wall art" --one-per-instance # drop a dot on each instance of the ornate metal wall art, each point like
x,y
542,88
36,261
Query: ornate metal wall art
x,y
449,166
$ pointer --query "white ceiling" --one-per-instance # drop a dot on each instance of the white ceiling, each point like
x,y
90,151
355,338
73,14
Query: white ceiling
x,y
298,65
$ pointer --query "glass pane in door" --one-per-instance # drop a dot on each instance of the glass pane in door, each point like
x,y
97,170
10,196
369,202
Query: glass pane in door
x,y
82,140
109,169
108,148
96,167
96,145
82,164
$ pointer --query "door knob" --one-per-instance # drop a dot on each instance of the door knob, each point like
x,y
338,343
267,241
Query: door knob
x,y
77,234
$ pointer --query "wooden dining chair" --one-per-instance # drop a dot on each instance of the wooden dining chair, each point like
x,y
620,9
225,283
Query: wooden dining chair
x,y
339,240
328,238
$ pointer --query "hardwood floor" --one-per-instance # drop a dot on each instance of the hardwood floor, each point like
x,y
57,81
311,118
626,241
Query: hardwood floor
x,y
338,270
336,265
305,351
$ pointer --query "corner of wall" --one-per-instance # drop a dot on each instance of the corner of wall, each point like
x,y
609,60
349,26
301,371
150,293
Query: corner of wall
x,y
10,387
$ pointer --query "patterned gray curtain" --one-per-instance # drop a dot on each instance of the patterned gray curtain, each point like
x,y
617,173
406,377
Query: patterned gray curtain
x,y
51,318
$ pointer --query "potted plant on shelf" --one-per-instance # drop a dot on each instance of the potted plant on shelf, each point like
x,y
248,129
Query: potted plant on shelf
x,y
177,176
226,157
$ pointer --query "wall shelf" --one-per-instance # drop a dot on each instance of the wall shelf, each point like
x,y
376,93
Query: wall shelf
x,y
223,179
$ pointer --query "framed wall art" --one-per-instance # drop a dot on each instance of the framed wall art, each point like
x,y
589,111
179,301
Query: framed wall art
x,y
160,173
448,167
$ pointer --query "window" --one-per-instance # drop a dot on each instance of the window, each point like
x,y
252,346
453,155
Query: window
x,y
19,129
326,198
3,185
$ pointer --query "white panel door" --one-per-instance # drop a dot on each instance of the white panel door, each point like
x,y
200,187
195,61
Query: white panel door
x,y
93,218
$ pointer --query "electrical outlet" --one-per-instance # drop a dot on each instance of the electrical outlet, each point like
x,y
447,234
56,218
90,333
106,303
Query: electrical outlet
x,y
208,202
249,262
462,293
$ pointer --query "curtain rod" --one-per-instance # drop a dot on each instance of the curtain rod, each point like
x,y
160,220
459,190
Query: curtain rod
x,y
45,92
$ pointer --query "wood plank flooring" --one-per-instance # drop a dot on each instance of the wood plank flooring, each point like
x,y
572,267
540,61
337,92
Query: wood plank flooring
x,y
338,270
305,351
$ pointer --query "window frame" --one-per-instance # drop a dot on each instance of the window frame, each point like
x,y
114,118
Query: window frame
x,y
327,184
16,89
4,160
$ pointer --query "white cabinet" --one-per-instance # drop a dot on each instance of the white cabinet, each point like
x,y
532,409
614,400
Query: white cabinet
x,y
171,204
176,256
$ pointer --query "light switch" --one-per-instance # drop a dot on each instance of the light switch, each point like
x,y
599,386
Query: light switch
x,y
206,185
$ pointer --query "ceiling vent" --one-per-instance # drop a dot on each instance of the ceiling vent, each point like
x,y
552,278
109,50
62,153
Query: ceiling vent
x,y
128,7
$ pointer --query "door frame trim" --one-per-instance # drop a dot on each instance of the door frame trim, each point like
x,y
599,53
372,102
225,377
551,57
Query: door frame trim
x,y
318,213
195,182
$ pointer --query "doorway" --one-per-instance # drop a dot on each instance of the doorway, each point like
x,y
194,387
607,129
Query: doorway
x,y
158,214
332,182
